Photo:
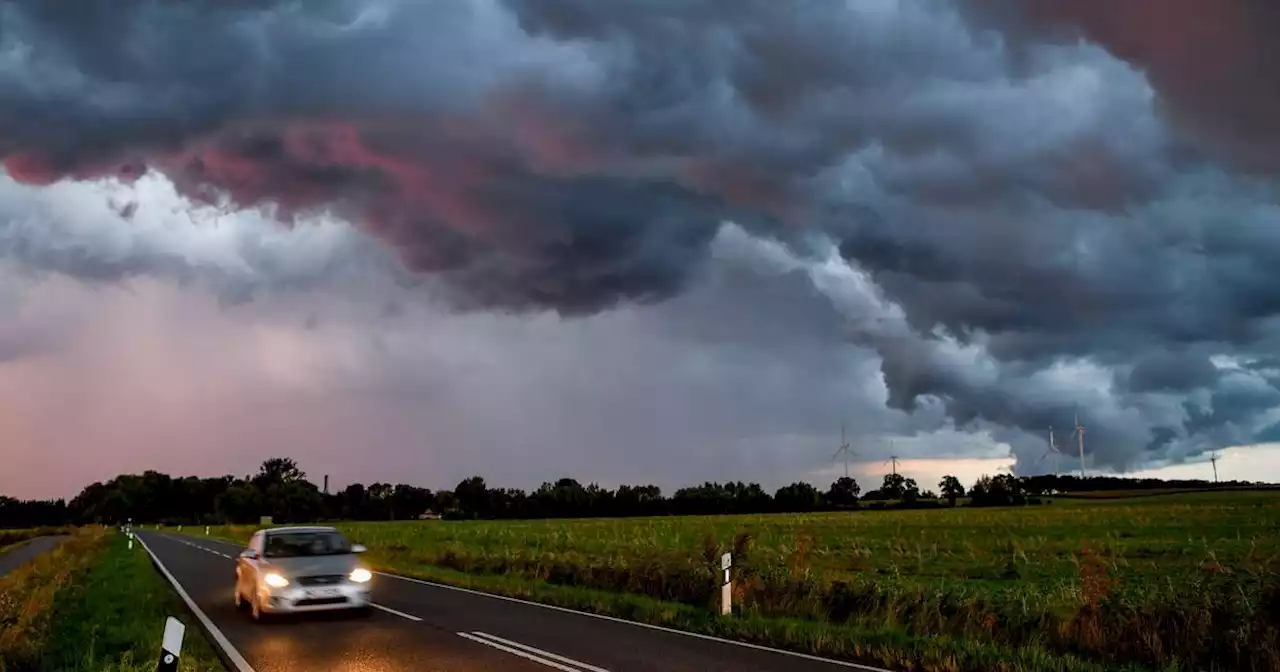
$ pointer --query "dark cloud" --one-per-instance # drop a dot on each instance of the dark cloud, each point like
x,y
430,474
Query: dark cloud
x,y
1213,64
1172,372
1010,203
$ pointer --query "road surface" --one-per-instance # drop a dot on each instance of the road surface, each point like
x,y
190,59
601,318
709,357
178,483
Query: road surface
x,y
422,626
20,555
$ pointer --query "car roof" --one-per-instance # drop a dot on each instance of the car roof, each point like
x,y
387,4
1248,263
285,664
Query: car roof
x,y
300,528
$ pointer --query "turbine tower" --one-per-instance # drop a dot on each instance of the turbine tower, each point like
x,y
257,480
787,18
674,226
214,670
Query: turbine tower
x,y
1213,459
844,448
1078,434
893,459
1051,451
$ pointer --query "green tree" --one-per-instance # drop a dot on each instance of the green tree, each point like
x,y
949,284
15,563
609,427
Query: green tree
x,y
951,488
894,486
843,493
797,497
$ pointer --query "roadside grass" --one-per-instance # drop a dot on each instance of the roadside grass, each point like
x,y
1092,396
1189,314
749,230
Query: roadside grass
x,y
113,621
91,605
1181,582
28,595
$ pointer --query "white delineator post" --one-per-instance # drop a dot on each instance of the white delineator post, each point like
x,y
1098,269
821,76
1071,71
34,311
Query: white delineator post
x,y
206,530
171,646
726,589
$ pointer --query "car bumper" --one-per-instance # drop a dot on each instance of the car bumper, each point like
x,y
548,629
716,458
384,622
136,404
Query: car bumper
x,y
298,599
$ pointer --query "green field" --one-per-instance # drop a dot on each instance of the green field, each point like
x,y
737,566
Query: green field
x,y
1183,581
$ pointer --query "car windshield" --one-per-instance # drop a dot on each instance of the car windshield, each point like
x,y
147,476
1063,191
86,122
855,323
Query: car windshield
x,y
302,544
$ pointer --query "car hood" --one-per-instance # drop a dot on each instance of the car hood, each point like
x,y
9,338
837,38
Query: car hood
x,y
314,565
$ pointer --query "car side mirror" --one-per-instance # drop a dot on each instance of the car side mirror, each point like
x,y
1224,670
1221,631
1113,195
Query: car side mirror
x,y
358,548
249,554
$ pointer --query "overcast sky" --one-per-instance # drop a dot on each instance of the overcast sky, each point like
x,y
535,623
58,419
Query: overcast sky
x,y
660,241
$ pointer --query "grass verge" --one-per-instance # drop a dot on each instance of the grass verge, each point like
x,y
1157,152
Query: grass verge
x,y
113,619
28,595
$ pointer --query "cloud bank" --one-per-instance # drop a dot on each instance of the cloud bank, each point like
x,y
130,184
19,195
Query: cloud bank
x,y
1000,214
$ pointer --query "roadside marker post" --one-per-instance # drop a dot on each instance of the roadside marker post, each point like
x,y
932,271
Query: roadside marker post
x,y
171,646
726,589
206,530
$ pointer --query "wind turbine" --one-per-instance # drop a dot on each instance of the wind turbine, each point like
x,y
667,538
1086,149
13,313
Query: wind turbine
x,y
893,459
1079,434
844,448
1052,450
1213,459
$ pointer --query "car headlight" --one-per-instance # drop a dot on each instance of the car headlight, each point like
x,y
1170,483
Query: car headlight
x,y
275,580
360,575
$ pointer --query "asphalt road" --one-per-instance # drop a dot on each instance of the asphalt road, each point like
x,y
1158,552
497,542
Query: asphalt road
x,y
422,626
18,556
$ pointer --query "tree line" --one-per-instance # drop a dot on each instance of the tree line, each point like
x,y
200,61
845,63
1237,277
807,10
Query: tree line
x,y
281,490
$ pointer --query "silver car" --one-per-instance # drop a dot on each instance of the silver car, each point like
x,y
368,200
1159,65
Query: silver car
x,y
299,569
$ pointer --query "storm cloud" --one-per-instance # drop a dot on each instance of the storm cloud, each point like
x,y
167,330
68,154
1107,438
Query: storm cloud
x,y
1019,211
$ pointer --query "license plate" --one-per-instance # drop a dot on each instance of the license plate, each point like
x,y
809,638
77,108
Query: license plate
x,y
323,593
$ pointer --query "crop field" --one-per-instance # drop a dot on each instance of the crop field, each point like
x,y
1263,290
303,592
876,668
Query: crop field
x,y
1183,581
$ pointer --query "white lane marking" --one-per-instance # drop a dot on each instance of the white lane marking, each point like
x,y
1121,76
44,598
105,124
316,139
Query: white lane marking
x,y
518,652
401,614
539,652
648,626
219,639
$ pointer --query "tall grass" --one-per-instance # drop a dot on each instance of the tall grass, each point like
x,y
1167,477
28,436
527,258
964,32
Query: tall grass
x,y
28,595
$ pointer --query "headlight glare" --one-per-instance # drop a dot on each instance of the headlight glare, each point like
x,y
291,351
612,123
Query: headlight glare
x,y
275,580
361,575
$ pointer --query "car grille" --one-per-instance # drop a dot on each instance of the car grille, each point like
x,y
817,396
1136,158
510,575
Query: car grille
x,y
321,580
319,601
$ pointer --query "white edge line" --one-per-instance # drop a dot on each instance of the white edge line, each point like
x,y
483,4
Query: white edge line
x,y
220,639
517,652
540,652
638,624
401,614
